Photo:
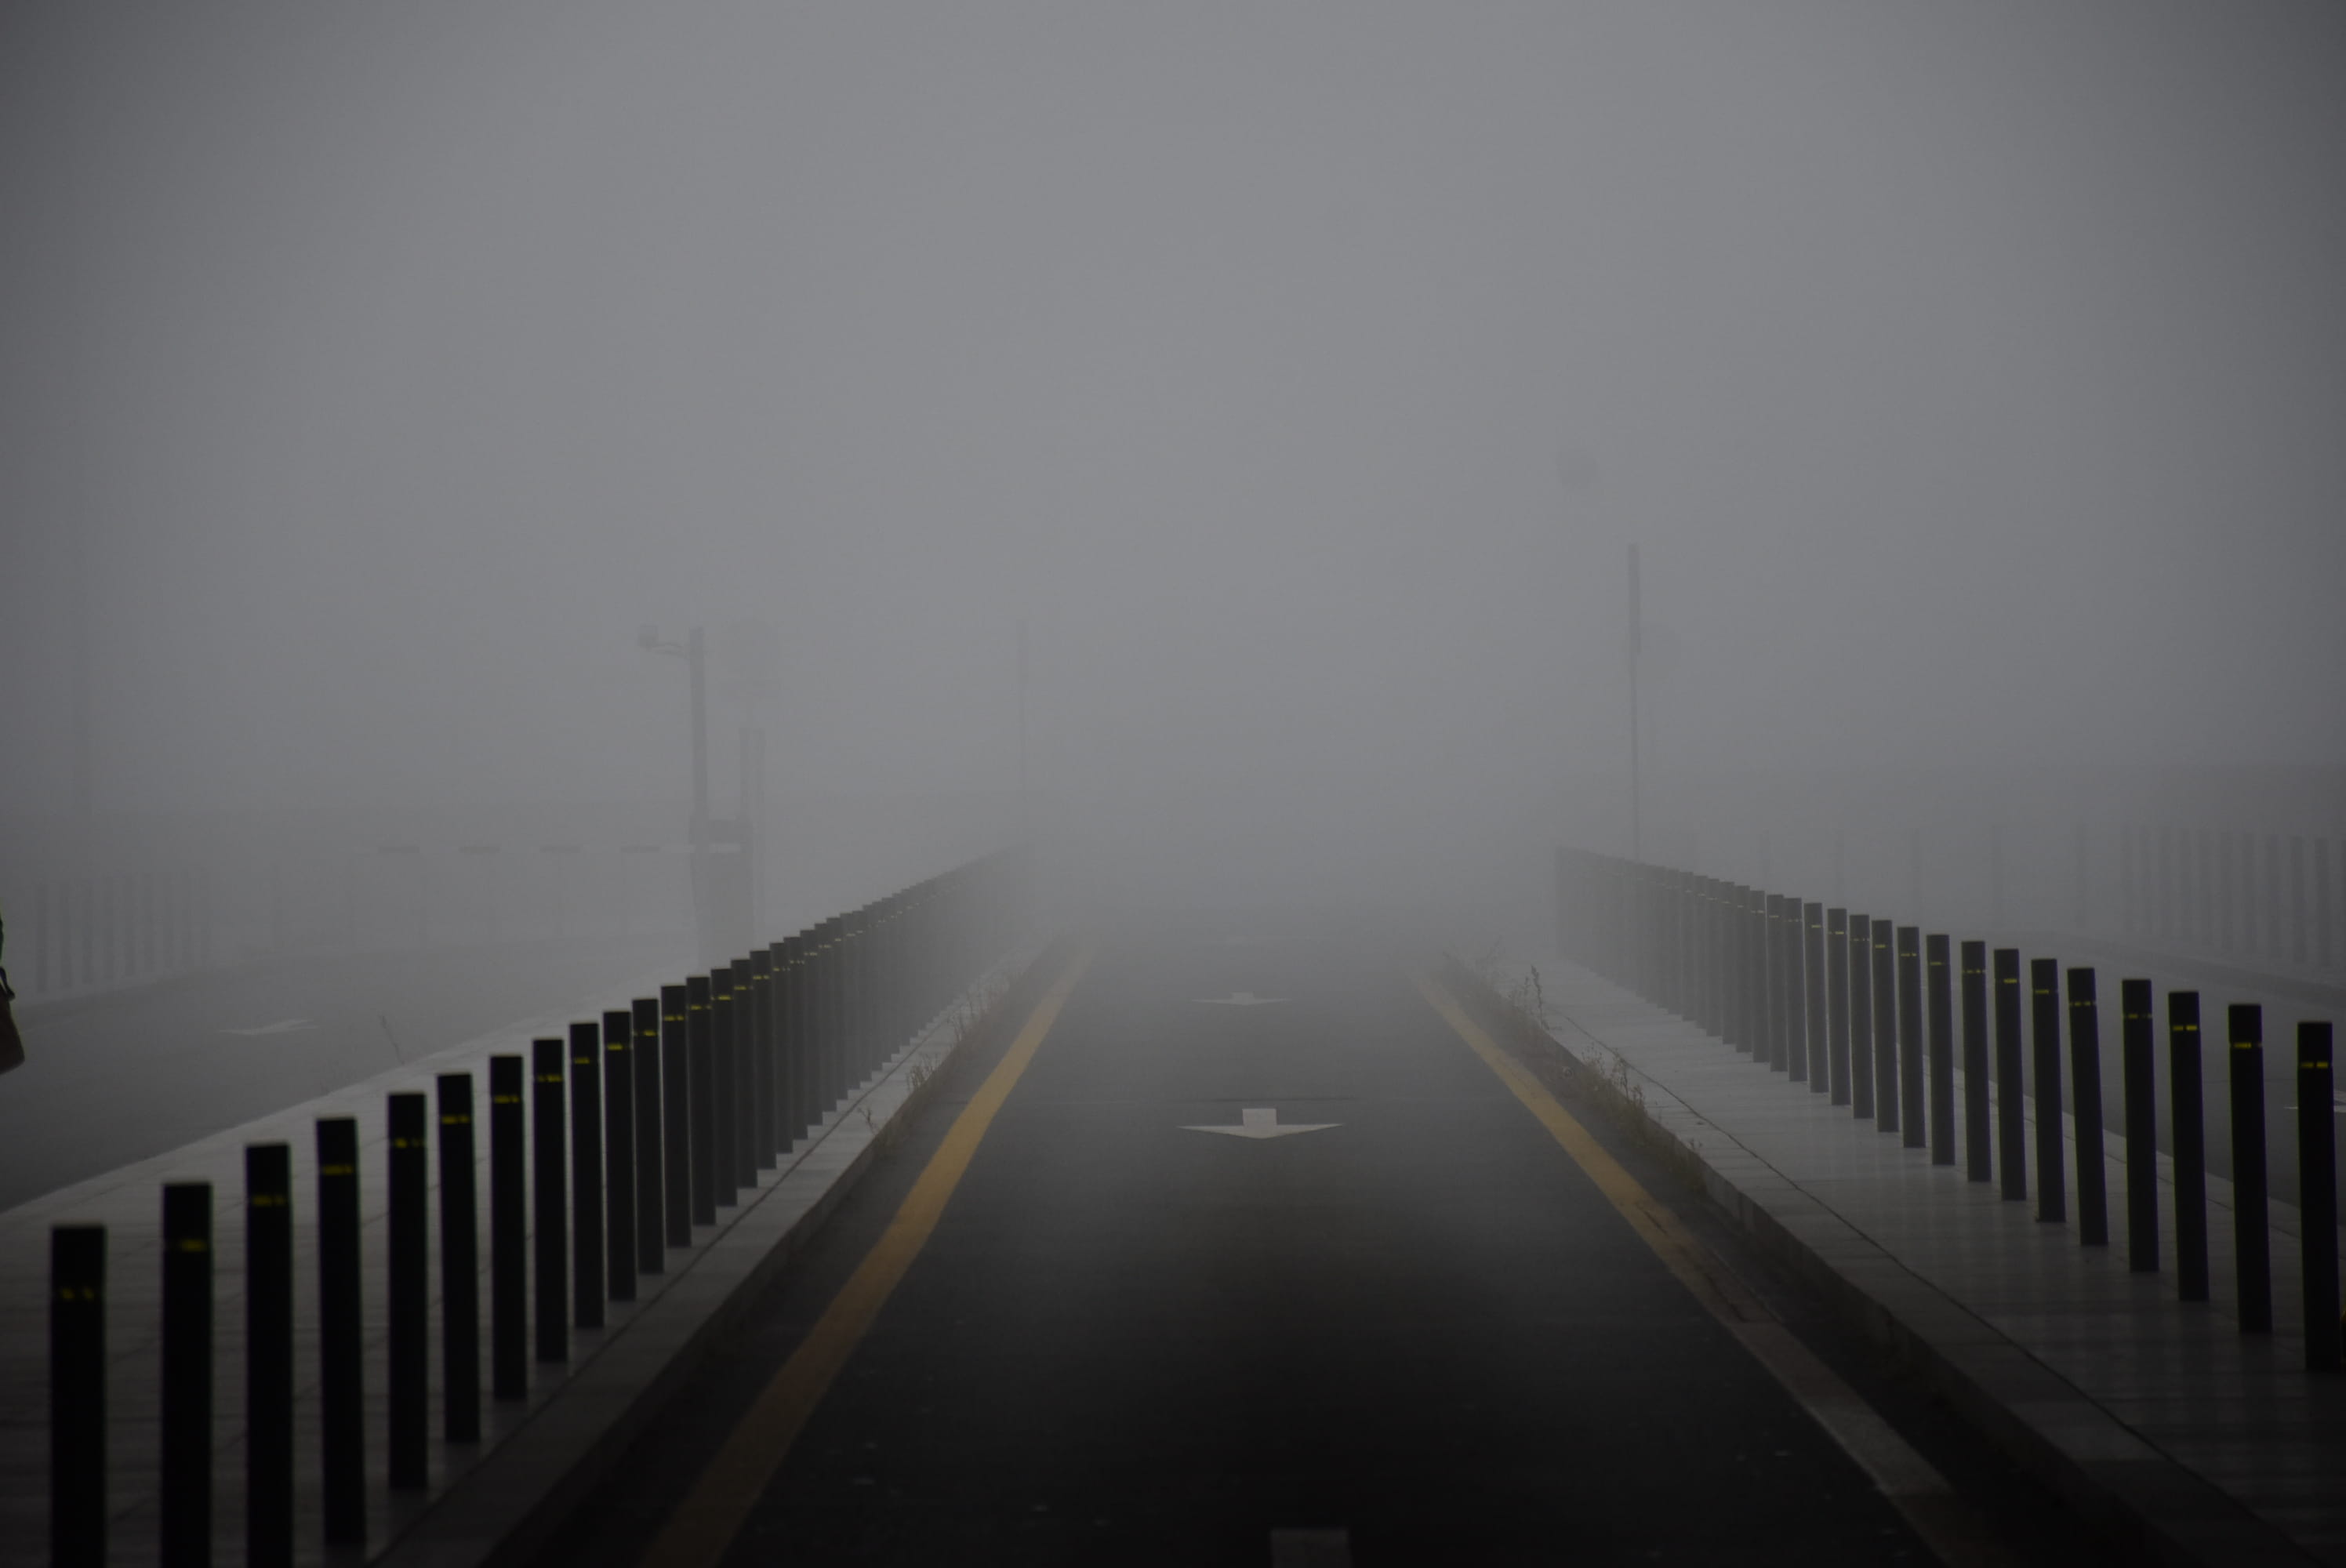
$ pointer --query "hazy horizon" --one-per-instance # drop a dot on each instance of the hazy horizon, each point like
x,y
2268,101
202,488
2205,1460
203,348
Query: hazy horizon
x,y
1970,378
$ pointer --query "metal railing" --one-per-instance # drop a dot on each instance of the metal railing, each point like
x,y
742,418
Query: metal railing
x,y
1875,1016
619,1139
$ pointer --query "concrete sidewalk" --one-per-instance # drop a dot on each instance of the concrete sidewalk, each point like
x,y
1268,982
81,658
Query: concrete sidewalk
x,y
484,1498
2158,1418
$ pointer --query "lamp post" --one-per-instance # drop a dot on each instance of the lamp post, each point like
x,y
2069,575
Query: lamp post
x,y
1637,846
691,650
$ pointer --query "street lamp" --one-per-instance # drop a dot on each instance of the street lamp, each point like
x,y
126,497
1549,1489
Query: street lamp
x,y
690,651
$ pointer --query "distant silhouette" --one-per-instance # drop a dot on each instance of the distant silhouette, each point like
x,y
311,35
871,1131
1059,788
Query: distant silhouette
x,y
12,1045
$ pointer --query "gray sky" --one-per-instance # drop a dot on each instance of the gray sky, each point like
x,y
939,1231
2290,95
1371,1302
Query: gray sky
x,y
1972,375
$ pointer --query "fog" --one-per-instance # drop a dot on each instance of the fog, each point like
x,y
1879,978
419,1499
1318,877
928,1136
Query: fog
x,y
1970,376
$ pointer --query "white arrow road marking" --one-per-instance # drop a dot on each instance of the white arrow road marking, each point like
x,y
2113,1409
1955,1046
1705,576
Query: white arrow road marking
x,y
1264,1123
1240,999
282,1026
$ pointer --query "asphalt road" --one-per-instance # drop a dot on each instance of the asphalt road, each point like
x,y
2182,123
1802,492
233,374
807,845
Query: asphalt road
x,y
115,1078
1423,1330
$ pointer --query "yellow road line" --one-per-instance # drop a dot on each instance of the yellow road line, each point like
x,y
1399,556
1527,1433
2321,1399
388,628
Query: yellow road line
x,y
1947,1524
698,1532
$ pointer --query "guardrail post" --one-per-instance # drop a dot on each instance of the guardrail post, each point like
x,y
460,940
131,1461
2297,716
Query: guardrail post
x,y
2085,1113
1813,972
741,1102
789,1046
2317,1186
508,1231
1886,1086
2189,1137
2252,1241
2011,1123
1791,1016
1912,1110
78,1395
588,1283
676,1112
2045,986
409,1295
778,1047
1772,1016
651,1239
725,1106
460,1264
341,1382
1860,1014
1757,1035
761,1055
619,1155
2139,1047
1938,1006
187,1426
1836,1000
269,1354
550,1200
1979,1141
702,1078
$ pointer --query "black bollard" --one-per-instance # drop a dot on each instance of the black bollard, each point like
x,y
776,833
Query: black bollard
x,y
341,1382
676,1112
2252,1242
508,1231
1791,976
762,1056
2189,1137
798,1043
619,1155
717,1022
2011,1105
725,1111
703,1081
1786,1034
1861,1015
187,1428
651,1222
1939,1005
1813,975
1835,1005
1886,1105
550,1209
742,1101
786,1130
588,1283
78,1395
2317,1187
1912,1111
409,1233
1979,1141
2139,1047
2044,988
267,1354
460,1264
2086,1114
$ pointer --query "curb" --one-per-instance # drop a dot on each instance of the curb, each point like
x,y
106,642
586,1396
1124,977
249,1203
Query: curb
x,y
2151,1506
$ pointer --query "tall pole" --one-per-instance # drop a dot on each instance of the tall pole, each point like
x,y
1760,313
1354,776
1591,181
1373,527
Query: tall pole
x,y
1637,846
80,685
694,651
1021,729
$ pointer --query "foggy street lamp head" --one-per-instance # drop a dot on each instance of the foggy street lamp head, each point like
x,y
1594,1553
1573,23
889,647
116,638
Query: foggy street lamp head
x,y
648,638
